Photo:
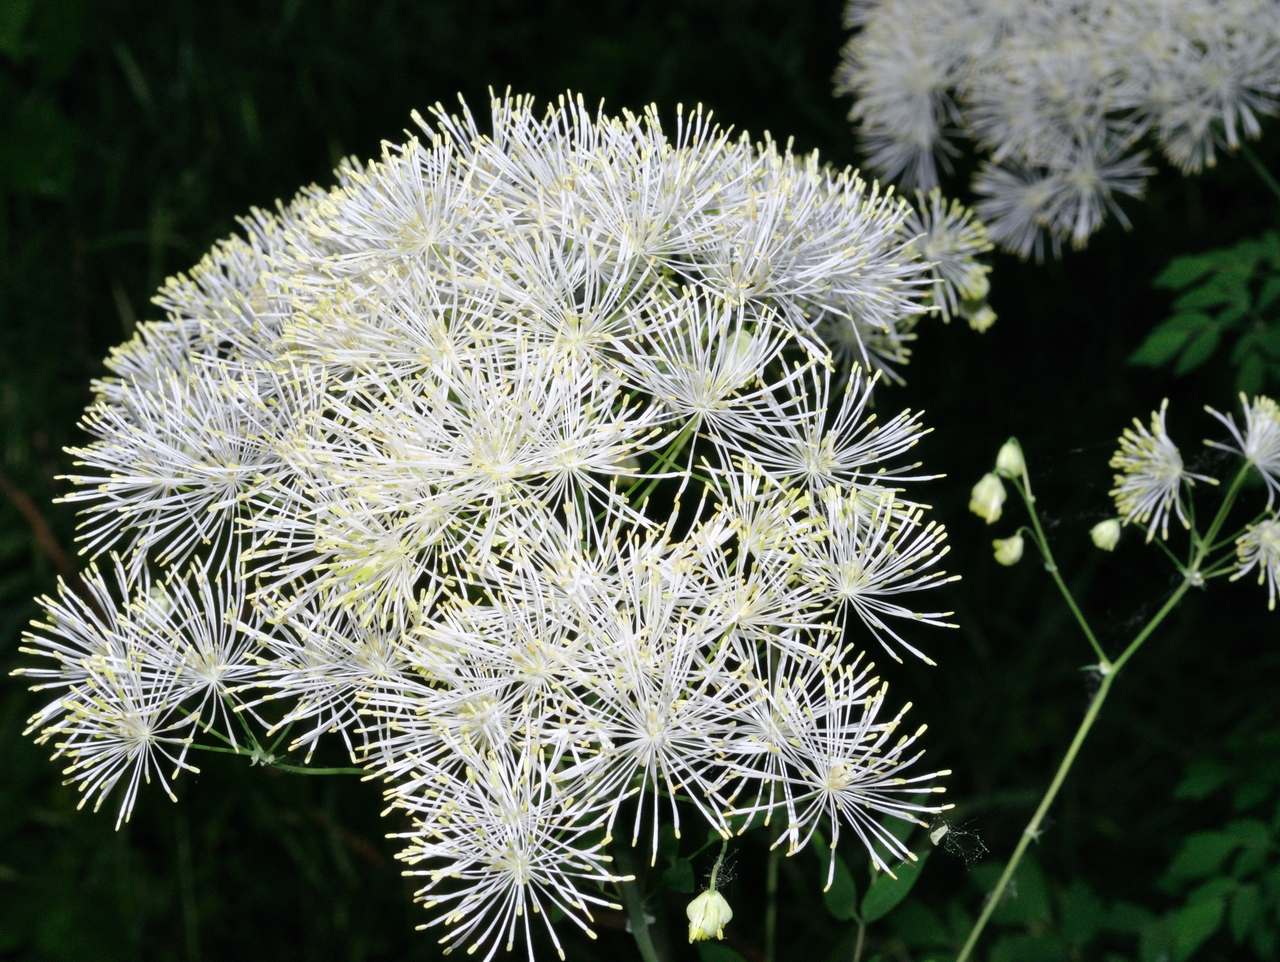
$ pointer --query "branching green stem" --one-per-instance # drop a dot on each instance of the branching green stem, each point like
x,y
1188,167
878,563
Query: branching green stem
x,y
265,758
1109,670
1023,486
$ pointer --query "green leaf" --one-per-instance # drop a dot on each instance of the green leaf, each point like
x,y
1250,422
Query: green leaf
x,y
1203,778
1218,887
37,149
886,892
14,15
1185,270
1198,351
919,926
1223,289
1251,832
715,952
1202,854
841,899
1245,909
1083,913
1167,339
1251,375
679,876
1026,900
1028,948
1253,792
1226,317
1269,293
1194,925
1249,862
1129,918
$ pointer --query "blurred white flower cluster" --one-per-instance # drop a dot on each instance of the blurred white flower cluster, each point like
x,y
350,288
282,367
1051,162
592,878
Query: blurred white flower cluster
x,y
521,463
1060,94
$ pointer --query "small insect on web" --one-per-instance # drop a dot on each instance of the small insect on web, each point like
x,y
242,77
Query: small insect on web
x,y
957,840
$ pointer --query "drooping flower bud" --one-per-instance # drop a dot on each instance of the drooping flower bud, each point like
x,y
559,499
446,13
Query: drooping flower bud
x,y
1106,534
987,498
708,914
1008,550
1009,460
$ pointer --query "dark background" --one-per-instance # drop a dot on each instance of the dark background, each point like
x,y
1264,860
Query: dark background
x,y
131,136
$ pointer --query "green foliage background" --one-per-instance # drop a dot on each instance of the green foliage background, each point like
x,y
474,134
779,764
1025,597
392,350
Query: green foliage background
x,y
131,135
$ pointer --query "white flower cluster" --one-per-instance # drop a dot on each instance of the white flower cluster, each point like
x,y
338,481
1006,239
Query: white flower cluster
x,y
1152,484
517,462
1059,94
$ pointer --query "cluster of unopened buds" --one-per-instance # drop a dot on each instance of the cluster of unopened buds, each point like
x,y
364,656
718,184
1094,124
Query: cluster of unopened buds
x,y
537,467
1153,484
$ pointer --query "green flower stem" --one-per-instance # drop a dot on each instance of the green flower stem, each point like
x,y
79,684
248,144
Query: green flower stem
x,y
1267,177
1109,673
1032,829
666,459
1023,486
633,900
266,760
771,904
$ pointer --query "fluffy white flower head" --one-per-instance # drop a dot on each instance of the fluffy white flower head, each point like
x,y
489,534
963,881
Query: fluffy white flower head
x,y
519,465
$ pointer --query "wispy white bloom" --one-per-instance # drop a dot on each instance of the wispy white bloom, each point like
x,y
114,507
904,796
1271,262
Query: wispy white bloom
x,y
390,474
1259,547
1259,440
1148,488
948,235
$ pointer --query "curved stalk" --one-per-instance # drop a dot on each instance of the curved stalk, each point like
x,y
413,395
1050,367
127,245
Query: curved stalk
x,y
1191,576
268,761
1023,487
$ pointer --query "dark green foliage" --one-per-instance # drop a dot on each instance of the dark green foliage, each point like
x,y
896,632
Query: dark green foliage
x,y
1229,296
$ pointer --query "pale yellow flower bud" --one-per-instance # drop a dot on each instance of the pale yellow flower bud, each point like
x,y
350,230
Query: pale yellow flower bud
x,y
982,319
987,498
708,914
976,285
1008,550
1106,534
1009,460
